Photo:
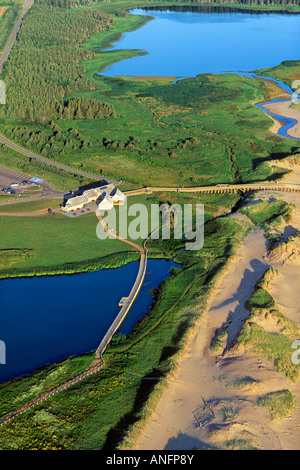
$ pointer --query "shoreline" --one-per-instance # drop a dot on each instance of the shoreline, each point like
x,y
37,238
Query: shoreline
x,y
284,109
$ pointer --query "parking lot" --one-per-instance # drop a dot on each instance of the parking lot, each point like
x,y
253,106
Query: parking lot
x,y
7,177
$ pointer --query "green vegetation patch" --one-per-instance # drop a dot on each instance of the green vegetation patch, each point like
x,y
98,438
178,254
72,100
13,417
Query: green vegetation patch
x,y
265,213
8,21
106,409
198,131
11,256
279,404
261,299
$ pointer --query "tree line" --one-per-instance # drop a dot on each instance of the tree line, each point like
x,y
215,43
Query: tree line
x,y
241,2
44,66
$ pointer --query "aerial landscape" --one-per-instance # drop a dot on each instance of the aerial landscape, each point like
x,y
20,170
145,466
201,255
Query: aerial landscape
x,y
150,226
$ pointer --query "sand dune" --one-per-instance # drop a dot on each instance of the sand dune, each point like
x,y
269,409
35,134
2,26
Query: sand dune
x,y
179,422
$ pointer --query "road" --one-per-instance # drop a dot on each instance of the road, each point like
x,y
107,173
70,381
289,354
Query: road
x,y
13,36
52,163
17,148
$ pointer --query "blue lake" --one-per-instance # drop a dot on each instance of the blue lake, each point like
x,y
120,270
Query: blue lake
x,y
46,319
189,43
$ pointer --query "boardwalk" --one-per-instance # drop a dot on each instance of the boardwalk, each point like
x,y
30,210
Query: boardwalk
x,y
219,188
91,370
98,363
126,302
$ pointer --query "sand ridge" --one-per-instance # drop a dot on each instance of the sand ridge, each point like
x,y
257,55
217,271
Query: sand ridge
x,y
210,398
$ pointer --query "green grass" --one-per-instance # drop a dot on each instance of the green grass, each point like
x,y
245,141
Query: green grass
x,y
261,299
104,408
58,243
265,213
279,404
59,179
201,130
32,206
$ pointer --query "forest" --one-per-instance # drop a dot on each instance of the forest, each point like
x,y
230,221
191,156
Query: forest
x,y
45,65
7,22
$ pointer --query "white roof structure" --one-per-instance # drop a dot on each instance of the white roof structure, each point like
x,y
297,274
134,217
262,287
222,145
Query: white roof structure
x,y
117,195
104,196
76,202
106,202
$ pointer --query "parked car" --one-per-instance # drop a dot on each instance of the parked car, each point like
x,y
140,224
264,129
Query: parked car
x,y
4,190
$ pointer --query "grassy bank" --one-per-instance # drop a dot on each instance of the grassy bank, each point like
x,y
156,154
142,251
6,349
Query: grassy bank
x,y
101,411
262,338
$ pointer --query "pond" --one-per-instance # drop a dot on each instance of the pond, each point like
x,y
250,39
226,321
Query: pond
x,y
46,319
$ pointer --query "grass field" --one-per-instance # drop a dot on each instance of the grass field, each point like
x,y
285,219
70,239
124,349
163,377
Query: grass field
x,y
202,130
101,411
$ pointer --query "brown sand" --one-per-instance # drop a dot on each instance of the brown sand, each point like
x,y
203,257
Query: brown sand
x,y
3,10
284,109
202,376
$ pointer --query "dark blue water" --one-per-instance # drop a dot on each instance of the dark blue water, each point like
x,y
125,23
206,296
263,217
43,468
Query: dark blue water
x,y
46,319
189,43
185,44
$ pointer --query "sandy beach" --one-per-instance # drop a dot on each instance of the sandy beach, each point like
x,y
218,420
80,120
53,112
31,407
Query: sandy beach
x,y
203,377
284,109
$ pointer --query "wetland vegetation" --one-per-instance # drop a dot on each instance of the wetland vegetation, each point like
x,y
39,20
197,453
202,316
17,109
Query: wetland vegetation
x,y
150,131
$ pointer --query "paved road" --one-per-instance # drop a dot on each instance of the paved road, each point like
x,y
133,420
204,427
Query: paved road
x,y
12,145
13,36
52,163
9,176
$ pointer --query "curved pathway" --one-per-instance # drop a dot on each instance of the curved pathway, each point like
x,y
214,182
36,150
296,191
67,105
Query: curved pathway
x,y
128,301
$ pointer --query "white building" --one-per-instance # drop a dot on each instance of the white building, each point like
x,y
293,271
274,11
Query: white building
x,y
105,203
104,196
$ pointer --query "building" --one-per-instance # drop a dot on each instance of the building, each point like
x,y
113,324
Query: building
x,y
117,196
105,203
104,196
